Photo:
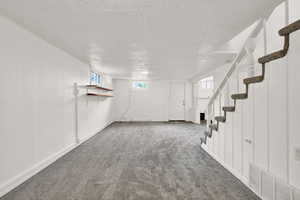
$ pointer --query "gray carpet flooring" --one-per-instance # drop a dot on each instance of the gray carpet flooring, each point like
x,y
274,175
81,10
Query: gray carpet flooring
x,y
136,161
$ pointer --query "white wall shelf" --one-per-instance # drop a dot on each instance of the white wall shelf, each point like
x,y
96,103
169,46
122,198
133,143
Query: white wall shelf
x,y
99,95
98,87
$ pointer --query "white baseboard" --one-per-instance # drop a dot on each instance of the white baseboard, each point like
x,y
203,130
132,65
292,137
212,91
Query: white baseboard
x,y
234,172
245,181
27,174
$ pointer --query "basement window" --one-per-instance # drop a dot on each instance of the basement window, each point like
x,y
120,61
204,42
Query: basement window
x,y
207,83
95,78
140,85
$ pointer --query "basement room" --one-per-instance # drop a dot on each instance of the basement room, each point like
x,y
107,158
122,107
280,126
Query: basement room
x,y
149,100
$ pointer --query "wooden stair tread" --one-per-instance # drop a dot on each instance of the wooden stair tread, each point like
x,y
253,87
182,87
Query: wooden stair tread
x,y
290,28
229,109
255,79
273,56
208,133
203,140
213,127
239,96
220,119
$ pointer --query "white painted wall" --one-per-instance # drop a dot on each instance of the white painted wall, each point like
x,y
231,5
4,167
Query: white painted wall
x,y
201,96
37,117
147,105
293,98
269,116
200,101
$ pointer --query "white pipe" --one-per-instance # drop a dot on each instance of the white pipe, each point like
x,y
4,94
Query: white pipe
x,y
76,91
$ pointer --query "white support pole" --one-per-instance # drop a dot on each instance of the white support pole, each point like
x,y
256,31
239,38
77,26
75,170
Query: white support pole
x,y
76,91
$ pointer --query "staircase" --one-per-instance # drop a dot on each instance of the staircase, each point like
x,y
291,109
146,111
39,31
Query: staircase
x,y
285,32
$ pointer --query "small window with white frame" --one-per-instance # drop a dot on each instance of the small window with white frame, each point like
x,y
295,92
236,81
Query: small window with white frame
x,y
140,85
207,83
95,78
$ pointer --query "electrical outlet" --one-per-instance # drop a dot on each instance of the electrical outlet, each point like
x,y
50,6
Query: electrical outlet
x,y
297,154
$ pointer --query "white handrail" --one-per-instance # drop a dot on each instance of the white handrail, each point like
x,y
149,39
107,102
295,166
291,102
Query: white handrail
x,y
238,58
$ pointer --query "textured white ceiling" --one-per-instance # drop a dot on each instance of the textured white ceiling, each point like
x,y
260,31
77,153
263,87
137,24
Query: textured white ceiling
x,y
164,39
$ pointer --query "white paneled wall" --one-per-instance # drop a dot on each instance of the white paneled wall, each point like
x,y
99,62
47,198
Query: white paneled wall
x,y
151,104
268,118
37,108
260,111
294,96
277,104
